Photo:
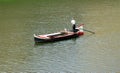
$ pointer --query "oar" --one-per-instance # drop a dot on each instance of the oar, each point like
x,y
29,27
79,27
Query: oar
x,y
89,31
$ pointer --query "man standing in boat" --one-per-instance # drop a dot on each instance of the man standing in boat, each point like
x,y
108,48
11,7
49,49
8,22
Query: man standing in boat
x,y
74,25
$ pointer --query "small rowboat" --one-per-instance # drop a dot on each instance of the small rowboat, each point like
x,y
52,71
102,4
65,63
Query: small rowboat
x,y
63,35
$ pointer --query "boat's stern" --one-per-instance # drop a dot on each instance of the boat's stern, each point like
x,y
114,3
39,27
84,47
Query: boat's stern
x,y
80,33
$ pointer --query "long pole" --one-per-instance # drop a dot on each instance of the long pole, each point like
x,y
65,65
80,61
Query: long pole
x,y
89,31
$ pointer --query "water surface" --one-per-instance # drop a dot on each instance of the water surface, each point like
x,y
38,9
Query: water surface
x,y
98,52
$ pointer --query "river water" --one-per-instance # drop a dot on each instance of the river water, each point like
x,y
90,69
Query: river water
x,y
99,52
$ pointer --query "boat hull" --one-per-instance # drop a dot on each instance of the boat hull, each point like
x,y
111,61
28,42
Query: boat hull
x,y
41,40
63,35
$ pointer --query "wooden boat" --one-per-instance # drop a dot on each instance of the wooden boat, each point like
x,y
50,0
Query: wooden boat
x,y
58,36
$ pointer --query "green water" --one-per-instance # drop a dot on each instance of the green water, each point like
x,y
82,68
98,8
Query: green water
x,y
98,52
